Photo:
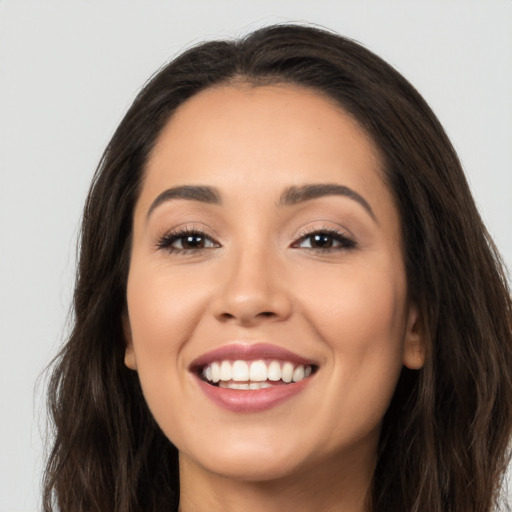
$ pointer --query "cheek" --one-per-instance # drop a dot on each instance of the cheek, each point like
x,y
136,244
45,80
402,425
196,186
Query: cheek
x,y
162,305
163,312
361,317
359,306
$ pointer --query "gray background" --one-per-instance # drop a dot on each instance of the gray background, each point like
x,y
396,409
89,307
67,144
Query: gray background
x,y
68,72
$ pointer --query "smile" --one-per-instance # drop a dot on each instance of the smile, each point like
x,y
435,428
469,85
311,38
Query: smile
x,y
257,374
251,378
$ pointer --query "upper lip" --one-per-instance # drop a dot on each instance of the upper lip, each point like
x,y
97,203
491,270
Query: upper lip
x,y
248,352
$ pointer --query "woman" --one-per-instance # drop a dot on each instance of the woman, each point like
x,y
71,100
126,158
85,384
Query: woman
x,y
286,298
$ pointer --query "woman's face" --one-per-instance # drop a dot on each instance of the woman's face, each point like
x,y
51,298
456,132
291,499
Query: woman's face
x,y
267,256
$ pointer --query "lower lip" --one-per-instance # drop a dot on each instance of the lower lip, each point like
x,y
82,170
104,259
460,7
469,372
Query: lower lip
x,y
252,400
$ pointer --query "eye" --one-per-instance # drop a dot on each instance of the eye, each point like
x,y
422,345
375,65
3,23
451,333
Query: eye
x,y
325,240
186,241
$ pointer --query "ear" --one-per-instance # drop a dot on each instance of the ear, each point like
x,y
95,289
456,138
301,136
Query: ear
x,y
414,351
129,354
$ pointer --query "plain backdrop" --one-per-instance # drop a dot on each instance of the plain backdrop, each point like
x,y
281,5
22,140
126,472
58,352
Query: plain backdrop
x,y
70,69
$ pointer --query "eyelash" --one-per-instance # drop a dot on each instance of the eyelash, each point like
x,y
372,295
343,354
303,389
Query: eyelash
x,y
168,239
346,243
165,242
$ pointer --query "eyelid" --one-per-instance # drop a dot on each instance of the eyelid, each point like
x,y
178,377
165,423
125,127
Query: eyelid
x,y
346,240
343,239
165,241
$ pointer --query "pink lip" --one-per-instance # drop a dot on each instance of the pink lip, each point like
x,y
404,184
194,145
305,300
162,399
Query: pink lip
x,y
242,352
247,401
255,400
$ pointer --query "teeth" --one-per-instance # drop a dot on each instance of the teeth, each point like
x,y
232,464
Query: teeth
x,y
254,375
258,371
215,372
274,371
240,371
235,385
298,373
287,372
244,385
225,370
259,385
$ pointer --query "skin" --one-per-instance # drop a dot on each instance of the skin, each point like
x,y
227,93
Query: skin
x,y
259,280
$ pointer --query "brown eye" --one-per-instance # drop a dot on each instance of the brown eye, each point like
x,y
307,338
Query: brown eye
x,y
194,241
186,241
321,241
325,240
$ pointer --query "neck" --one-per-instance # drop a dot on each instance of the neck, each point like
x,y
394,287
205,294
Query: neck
x,y
327,488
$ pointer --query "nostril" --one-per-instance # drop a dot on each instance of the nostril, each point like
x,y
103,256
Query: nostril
x,y
246,308
264,314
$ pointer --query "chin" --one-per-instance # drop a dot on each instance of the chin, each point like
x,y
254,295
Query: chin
x,y
246,461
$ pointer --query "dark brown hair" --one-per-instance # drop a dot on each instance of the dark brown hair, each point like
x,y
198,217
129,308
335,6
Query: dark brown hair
x,y
444,442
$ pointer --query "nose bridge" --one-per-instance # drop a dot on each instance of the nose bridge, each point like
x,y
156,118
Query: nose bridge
x,y
253,288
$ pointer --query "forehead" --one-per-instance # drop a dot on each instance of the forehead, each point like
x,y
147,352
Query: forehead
x,y
259,127
246,139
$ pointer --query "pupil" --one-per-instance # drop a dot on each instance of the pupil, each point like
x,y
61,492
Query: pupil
x,y
322,241
194,241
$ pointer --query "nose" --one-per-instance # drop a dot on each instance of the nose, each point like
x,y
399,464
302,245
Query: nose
x,y
253,290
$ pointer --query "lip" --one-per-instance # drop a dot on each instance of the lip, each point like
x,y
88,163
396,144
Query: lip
x,y
255,400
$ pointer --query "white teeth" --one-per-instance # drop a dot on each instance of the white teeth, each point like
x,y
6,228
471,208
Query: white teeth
x,y
241,374
298,373
237,385
287,372
258,371
240,371
259,385
225,370
215,372
274,371
244,385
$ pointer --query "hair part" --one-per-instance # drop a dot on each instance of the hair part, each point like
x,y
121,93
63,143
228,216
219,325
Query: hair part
x,y
444,442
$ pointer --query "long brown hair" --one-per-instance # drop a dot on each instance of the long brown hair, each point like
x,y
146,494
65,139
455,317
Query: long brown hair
x,y
444,441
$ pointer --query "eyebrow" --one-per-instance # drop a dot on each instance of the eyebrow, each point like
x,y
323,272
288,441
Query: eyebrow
x,y
199,193
291,196
295,195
